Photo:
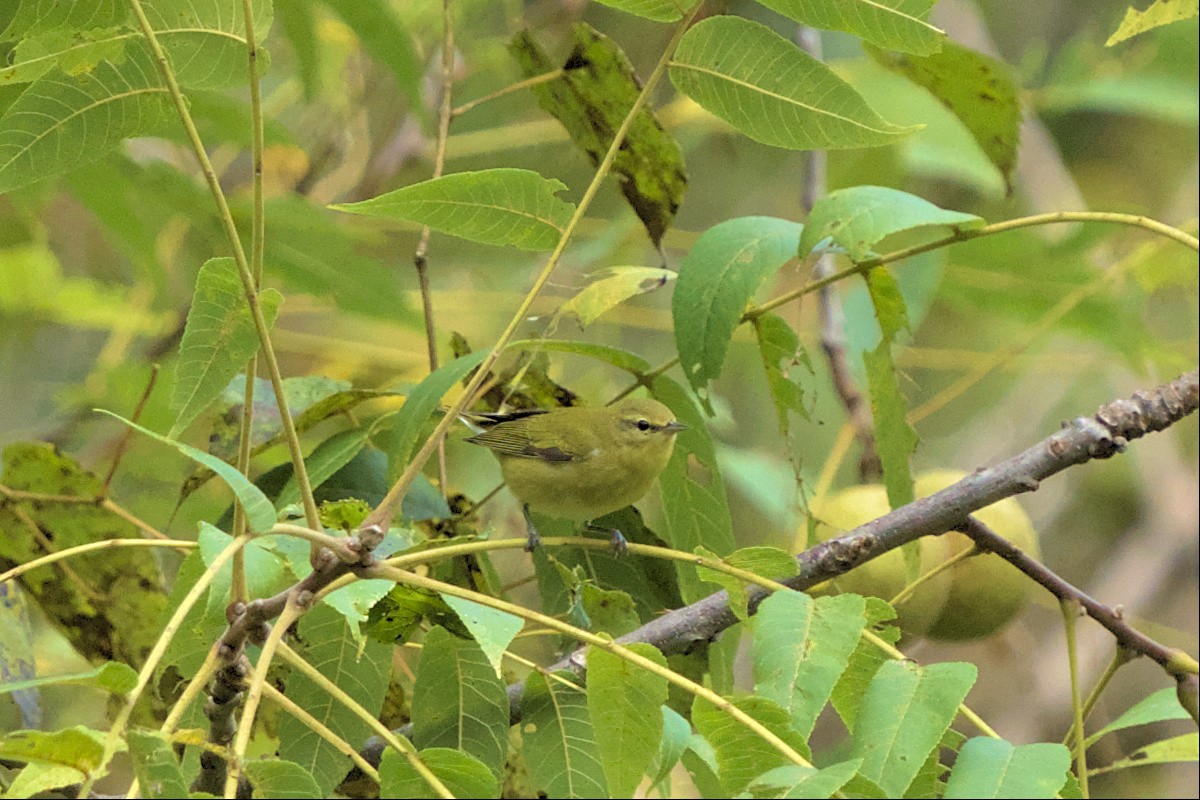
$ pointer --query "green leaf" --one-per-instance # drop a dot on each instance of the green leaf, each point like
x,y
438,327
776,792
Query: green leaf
x,y
201,626
283,779
771,90
617,285
384,37
155,765
657,10
79,748
560,745
854,220
740,753
298,23
801,648
694,503
111,676
903,715
1185,748
36,16
74,53
717,278
1159,13
62,121
765,562
205,40
361,670
39,777
354,602
259,511
1157,707
458,700
624,701
329,456
493,630
592,98
676,731
700,761
988,767
218,339
422,401
780,349
463,774
895,24
979,90
807,782
621,359
492,206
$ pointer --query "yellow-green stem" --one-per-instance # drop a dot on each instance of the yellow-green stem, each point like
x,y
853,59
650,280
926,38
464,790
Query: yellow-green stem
x,y
105,544
1120,658
1070,613
315,725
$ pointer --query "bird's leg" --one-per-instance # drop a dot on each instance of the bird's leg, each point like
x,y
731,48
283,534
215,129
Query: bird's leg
x,y
619,545
534,539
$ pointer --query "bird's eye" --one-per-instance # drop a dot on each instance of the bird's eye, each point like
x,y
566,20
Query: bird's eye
x,y
643,425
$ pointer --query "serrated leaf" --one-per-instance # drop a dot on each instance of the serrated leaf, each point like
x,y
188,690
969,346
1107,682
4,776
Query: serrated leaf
x,y
560,743
592,99
361,670
155,765
493,630
492,206
624,702
741,754
458,700
780,349
36,16
218,338
259,511
1185,748
980,91
988,768
463,774
765,562
904,713
1159,13
848,694
717,278
283,779
772,91
616,285
855,219
111,676
807,782
657,10
694,504
1157,707
895,24
801,648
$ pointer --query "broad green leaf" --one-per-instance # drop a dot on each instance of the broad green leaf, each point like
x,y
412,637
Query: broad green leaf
x,y
855,219
493,630
73,53
621,359
560,745
115,615
694,503
765,562
988,768
780,349
676,731
895,24
283,779
205,40
772,91
700,761
461,773
354,602
895,439
657,10
592,99
458,701
616,285
492,206
717,278
384,37
740,753
265,572
36,16
1159,13
423,400
903,715
1185,748
624,701
807,782
62,121
259,511
111,676
1159,706
361,670
609,611
155,765
79,748
801,648
979,90
39,777
218,339
329,457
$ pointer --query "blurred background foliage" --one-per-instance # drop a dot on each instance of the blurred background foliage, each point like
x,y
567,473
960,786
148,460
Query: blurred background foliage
x,y
97,268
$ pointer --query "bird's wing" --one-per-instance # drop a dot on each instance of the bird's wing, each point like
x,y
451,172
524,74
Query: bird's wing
x,y
512,437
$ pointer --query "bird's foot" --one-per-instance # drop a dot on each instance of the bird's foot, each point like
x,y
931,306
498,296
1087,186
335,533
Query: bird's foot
x,y
534,539
619,546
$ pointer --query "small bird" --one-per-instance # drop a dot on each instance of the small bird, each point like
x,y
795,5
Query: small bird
x,y
580,463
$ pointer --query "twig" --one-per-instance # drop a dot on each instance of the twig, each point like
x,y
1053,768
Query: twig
x,y
1070,613
123,443
527,83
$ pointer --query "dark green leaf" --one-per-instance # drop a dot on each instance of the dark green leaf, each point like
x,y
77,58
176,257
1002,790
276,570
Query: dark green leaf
x,y
847,696
282,779
1156,707
780,349
155,765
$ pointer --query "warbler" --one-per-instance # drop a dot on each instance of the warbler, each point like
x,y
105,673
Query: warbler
x,y
580,463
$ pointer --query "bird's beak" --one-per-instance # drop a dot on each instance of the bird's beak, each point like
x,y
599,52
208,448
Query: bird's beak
x,y
674,426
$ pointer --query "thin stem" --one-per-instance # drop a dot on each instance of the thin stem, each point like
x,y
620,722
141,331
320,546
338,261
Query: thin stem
x,y
342,547
317,727
193,690
113,507
378,521
528,83
1120,658
239,255
104,544
123,444
1070,612
909,590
